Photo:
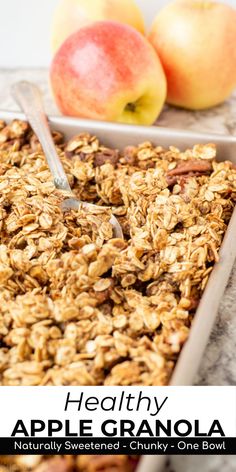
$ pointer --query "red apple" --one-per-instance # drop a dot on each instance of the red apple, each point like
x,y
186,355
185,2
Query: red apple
x,y
71,15
196,42
108,71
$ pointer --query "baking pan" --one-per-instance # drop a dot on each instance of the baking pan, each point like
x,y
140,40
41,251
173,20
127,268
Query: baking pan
x,y
119,136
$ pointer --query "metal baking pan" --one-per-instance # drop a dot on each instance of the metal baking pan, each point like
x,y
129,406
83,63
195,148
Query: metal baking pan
x,y
119,136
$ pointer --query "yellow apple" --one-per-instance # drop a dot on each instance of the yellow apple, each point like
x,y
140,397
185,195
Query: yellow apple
x,y
196,43
108,71
70,15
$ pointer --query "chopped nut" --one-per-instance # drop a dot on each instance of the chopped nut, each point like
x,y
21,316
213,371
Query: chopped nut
x,y
106,156
193,167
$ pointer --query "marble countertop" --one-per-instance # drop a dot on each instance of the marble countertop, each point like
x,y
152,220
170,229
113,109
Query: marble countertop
x,y
218,366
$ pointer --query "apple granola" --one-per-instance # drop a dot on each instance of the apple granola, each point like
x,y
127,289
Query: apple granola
x,y
78,307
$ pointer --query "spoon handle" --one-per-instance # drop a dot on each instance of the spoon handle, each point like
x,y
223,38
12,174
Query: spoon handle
x,y
28,97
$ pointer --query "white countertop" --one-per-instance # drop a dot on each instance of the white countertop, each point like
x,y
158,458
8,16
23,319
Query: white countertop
x,y
219,363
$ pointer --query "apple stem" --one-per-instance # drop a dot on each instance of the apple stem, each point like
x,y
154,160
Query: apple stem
x,y
130,107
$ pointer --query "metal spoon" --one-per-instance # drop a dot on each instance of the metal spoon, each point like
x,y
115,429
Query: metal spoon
x,y
29,98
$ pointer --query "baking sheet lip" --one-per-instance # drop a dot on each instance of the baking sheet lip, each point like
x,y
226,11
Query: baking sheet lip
x,y
219,275
110,126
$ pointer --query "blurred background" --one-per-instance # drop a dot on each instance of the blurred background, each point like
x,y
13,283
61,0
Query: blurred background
x,y
25,30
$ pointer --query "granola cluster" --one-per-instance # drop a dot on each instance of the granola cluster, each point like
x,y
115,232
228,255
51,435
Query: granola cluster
x,y
81,463
78,307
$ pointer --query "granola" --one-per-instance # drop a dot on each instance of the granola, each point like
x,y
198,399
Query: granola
x,y
78,307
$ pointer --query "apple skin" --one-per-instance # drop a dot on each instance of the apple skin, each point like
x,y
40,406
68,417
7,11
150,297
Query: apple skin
x,y
71,15
108,71
196,43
